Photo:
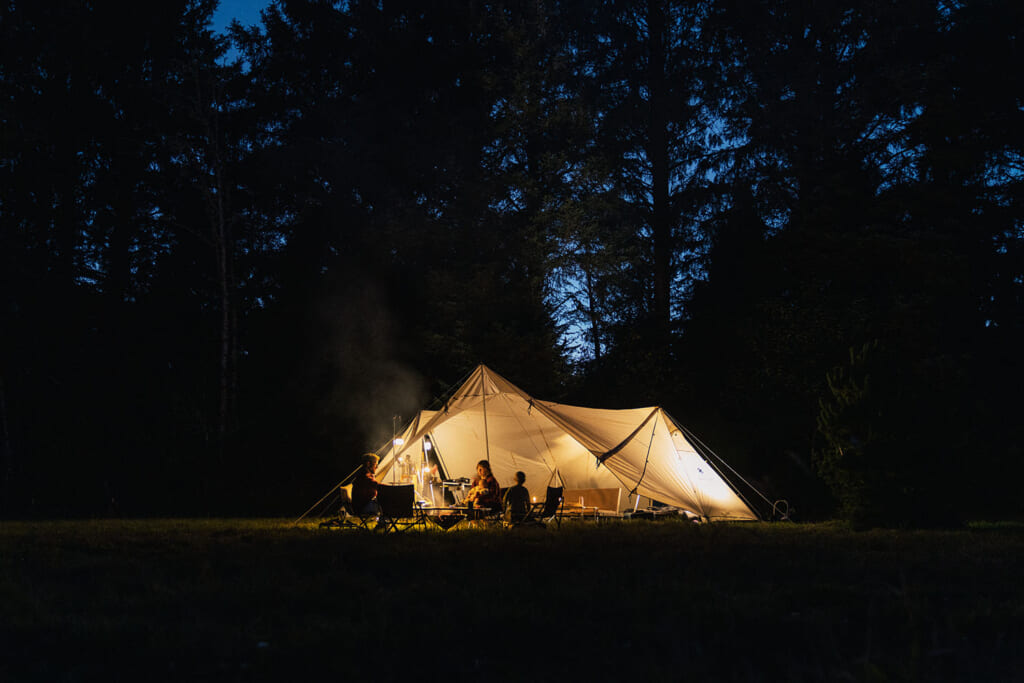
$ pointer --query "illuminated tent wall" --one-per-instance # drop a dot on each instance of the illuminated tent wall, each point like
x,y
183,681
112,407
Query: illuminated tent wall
x,y
642,449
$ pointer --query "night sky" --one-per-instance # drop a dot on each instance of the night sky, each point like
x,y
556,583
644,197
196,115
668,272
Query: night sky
x,y
246,11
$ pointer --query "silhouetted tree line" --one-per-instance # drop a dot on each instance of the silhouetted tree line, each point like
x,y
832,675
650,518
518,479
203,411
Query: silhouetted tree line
x,y
228,263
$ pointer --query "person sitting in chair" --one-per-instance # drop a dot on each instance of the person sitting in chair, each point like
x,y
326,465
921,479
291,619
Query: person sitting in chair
x,y
364,487
517,499
485,491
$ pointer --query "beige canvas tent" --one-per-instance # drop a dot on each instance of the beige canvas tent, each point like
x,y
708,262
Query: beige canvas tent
x,y
642,453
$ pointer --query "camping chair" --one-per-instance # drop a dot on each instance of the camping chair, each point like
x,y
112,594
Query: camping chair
x,y
347,518
550,509
487,516
493,516
398,511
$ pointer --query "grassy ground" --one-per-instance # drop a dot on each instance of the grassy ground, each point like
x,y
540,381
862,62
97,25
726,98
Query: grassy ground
x,y
239,600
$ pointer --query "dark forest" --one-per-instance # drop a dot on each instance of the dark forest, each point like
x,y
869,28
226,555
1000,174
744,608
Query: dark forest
x,y
227,262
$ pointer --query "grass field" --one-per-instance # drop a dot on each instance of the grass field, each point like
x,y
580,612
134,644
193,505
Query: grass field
x,y
242,599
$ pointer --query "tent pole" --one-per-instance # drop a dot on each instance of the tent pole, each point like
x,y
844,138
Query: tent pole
x,y
394,446
647,459
487,438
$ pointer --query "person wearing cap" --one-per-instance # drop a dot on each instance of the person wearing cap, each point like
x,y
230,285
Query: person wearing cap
x,y
364,487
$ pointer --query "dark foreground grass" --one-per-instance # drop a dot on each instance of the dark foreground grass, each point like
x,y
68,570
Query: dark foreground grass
x,y
239,600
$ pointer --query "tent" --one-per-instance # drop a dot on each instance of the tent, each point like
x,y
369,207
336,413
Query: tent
x,y
642,452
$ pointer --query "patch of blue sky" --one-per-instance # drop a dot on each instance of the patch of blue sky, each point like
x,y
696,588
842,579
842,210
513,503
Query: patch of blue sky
x,y
247,12
1005,167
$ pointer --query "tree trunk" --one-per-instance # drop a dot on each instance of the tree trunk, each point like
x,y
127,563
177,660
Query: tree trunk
x,y
6,451
223,243
228,325
119,269
658,155
592,308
